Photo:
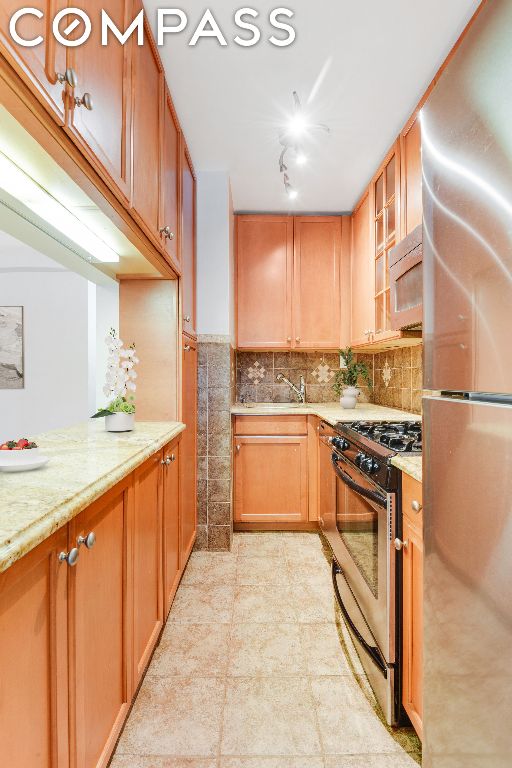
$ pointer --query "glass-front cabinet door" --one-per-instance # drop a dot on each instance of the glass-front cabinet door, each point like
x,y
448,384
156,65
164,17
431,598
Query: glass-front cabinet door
x,y
386,201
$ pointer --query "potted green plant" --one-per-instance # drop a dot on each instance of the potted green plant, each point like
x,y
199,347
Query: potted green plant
x,y
345,380
119,385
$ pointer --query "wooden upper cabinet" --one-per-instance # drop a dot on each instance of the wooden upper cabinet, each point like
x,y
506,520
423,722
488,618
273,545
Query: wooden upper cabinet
x,y
170,161
316,282
39,65
385,213
104,73
264,266
270,477
188,458
147,91
411,177
100,686
188,243
362,298
147,562
33,653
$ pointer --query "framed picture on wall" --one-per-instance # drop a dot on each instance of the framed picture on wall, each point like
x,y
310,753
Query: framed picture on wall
x,y
11,348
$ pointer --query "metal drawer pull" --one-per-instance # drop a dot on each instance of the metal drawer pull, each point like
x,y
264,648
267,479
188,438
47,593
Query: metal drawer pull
x,y
416,506
187,318
238,448
187,348
70,77
85,101
89,540
70,557
166,461
399,544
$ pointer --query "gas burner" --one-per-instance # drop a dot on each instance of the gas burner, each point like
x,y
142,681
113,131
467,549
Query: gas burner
x,y
395,436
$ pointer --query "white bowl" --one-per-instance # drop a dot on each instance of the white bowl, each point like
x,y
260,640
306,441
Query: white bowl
x,y
25,456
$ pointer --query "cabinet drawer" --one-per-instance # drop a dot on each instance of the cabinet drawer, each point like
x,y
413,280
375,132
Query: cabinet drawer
x,y
270,425
412,494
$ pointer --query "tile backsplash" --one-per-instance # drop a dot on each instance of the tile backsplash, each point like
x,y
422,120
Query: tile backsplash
x,y
396,374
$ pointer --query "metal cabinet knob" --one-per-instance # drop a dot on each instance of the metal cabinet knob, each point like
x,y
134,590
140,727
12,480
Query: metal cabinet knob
x,y
166,461
173,457
70,77
166,232
297,339
289,339
89,540
237,448
187,318
85,101
70,557
416,506
399,544
187,348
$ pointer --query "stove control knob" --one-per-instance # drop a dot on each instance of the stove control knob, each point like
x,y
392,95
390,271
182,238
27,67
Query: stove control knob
x,y
371,465
340,443
360,459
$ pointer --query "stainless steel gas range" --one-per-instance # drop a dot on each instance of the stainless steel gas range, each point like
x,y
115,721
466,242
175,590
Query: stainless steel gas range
x,y
359,516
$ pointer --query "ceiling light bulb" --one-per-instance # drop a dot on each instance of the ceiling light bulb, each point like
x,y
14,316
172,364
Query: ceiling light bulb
x,y
297,125
301,159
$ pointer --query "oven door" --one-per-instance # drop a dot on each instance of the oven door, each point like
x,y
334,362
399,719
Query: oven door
x,y
363,547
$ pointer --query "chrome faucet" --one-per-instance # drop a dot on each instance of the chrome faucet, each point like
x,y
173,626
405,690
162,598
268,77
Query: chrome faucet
x,y
300,392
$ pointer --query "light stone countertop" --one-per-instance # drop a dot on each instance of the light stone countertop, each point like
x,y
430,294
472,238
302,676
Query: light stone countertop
x,y
411,465
85,462
329,412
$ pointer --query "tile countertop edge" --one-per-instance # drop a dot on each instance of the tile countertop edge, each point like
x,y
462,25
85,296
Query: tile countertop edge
x,y
329,412
410,465
14,546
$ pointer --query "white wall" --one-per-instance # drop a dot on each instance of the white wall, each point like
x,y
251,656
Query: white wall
x,y
63,318
215,272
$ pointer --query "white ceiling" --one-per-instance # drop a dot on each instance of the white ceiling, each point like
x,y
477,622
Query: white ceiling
x,y
377,56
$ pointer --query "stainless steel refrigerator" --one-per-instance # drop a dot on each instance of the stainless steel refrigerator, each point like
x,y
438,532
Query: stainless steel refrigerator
x,y
467,196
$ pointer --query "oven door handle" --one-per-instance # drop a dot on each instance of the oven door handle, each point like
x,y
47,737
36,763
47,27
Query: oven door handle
x,y
372,650
371,495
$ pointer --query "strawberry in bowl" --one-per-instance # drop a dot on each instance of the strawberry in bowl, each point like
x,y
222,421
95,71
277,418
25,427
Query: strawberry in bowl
x,y
18,451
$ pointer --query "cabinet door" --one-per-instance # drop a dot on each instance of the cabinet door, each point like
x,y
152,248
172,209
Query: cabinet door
x,y
363,289
412,687
317,299
271,480
147,562
98,603
411,179
188,244
188,450
147,110
104,72
39,64
33,649
170,180
264,263
171,522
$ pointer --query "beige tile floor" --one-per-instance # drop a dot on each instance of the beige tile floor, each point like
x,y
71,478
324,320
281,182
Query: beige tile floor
x,y
254,670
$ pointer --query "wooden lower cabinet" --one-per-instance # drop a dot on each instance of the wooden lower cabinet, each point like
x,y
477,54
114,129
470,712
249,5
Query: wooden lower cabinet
x,y
147,562
412,616
100,687
271,479
75,639
171,522
33,653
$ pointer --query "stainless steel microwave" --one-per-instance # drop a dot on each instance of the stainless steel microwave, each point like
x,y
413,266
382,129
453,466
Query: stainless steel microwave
x,y
406,281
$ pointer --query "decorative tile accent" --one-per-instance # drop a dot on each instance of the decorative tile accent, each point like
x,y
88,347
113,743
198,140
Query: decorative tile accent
x,y
322,373
256,372
386,374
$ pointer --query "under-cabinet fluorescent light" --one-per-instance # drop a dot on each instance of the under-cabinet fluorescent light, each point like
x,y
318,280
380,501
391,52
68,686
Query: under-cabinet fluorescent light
x,y
21,186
